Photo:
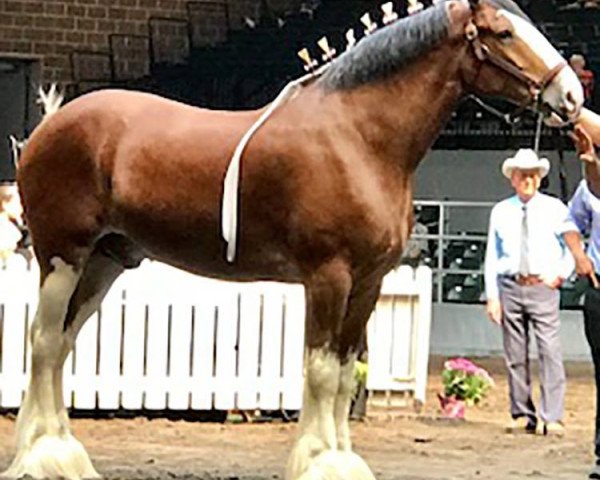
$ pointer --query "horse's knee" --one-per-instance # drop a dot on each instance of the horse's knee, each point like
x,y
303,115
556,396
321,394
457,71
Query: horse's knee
x,y
322,372
44,349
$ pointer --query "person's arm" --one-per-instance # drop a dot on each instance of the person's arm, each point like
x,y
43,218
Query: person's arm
x,y
566,263
585,136
579,222
493,307
590,121
583,264
587,154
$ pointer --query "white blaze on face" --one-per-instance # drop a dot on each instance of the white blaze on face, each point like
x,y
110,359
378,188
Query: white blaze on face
x,y
564,93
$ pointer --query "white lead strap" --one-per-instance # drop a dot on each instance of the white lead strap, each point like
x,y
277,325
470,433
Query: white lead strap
x,y
229,213
538,134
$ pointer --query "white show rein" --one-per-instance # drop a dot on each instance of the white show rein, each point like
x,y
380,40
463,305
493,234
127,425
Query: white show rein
x,y
229,212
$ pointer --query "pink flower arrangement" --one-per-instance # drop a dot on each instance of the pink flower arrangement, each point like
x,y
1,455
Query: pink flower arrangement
x,y
465,380
462,364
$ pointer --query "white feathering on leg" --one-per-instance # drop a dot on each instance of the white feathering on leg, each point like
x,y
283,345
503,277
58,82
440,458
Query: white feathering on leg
x,y
45,446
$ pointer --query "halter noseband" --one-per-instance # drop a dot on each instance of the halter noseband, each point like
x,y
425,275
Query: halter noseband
x,y
536,87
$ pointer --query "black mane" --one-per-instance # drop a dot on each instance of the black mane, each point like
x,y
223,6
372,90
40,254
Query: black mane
x,y
511,7
387,50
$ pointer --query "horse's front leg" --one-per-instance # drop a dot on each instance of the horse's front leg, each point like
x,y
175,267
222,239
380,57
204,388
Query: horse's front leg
x,y
362,300
316,454
343,401
327,292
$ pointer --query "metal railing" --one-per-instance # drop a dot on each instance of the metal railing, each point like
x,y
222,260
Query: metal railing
x,y
458,231
449,228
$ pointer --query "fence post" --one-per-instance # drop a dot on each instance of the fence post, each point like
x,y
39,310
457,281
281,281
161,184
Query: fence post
x,y
423,280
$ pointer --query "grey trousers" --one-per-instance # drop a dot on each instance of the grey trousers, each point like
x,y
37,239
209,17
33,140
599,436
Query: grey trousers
x,y
536,308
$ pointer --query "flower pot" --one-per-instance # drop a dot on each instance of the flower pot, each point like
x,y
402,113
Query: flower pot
x,y
452,407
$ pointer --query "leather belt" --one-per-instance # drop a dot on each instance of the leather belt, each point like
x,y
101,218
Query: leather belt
x,y
526,280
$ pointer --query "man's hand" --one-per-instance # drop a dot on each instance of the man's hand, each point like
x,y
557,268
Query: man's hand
x,y
585,268
494,310
553,282
587,154
584,145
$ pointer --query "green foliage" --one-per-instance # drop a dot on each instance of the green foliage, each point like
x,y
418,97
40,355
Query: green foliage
x,y
361,370
470,387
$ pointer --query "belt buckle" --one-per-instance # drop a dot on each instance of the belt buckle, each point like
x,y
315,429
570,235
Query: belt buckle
x,y
527,280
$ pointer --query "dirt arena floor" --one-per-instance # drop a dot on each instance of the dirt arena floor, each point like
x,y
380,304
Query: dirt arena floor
x,y
397,443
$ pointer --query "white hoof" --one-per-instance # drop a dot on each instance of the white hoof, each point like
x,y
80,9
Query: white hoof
x,y
52,457
337,465
307,448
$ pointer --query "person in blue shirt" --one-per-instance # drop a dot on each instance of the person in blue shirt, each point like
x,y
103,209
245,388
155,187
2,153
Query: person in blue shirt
x,y
584,219
526,262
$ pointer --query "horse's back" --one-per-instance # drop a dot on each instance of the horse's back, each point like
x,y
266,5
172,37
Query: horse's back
x,y
111,130
101,112
115,154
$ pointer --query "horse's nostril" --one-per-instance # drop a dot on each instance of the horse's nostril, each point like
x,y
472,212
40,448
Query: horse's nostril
x,y
569,105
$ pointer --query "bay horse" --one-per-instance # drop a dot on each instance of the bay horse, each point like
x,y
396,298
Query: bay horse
x,y
325,198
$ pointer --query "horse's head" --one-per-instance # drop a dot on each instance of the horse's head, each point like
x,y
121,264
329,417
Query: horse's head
x,y
510,57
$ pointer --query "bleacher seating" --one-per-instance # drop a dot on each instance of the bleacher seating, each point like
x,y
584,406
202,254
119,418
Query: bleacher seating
x,y
248,66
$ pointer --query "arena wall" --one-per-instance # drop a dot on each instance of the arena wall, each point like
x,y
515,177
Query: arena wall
x,y
464,330
475,176
49,30
40,41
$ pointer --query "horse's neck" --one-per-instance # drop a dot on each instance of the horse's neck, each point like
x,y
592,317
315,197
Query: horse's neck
x,y
399,119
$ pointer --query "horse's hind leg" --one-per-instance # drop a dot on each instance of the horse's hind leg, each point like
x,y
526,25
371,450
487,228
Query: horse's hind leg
x,y
43,443
68,296
109,259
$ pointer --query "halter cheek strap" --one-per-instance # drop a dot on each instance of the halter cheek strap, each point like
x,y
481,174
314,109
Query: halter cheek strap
x,y
552,74
536,87
483,54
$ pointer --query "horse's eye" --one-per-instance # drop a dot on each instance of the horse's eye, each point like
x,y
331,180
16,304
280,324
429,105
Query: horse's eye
x,y
505,35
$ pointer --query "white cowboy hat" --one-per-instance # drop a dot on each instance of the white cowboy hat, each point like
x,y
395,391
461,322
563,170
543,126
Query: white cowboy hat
x,y
525,159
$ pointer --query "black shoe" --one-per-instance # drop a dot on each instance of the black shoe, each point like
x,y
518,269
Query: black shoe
x,y
595,473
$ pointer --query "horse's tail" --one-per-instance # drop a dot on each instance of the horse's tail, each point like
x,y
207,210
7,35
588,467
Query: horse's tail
x,y
16,146
51,100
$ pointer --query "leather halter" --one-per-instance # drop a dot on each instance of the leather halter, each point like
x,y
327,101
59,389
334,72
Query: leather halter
x,y
536,87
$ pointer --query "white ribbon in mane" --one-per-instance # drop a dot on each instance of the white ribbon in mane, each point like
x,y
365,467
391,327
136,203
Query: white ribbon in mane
x,y
229,212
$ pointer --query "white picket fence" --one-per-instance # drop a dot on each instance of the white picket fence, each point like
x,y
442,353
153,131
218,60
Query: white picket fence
x,y
166,339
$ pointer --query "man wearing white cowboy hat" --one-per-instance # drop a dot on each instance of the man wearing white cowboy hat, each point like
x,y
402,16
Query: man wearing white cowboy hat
x,y
526,261
525,159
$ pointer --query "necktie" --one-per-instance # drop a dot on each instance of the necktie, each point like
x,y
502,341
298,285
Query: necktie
x,y
524,261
